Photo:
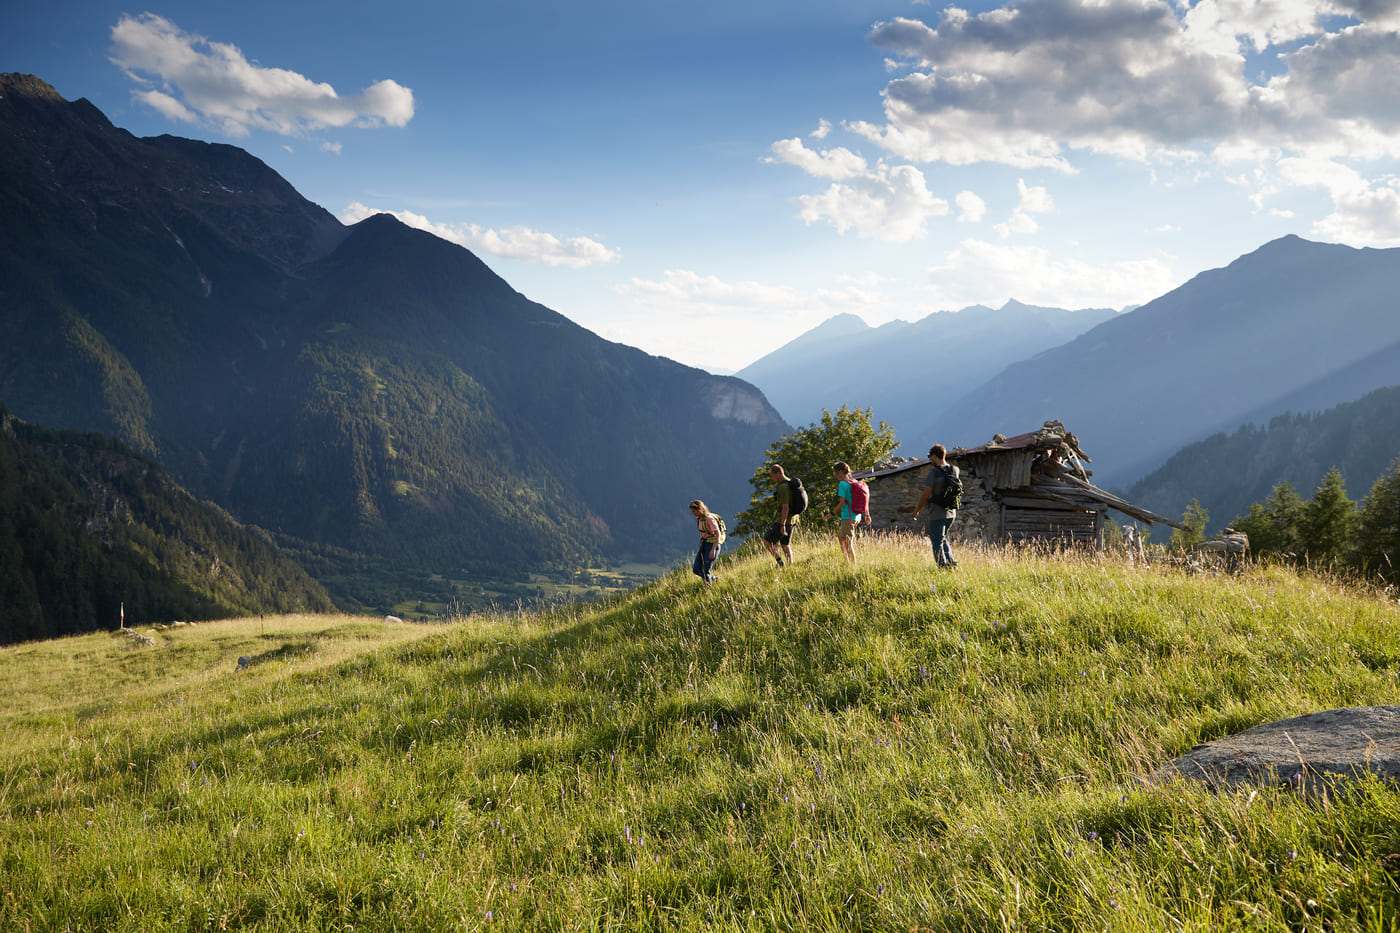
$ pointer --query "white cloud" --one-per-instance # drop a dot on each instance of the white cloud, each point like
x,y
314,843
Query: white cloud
x,y
164,103
331,147
978,271
519,243
839,163
1034,82
971,208
191,79
822,131
889,203
1035,200
1365,211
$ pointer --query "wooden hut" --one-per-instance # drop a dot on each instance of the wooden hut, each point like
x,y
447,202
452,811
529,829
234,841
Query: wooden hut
x,y
1031,487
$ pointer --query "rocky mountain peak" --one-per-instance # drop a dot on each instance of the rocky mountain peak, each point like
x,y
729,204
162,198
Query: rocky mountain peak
x,y
13,84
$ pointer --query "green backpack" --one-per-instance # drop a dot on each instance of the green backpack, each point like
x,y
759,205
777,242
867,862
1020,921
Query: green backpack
x,y
950,497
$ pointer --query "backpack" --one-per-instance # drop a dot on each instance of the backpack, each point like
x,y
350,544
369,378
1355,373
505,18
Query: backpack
x,y
860,497
950,497
799,502
719,523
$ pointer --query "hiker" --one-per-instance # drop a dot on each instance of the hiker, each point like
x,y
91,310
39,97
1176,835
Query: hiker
x,y
792,500
708,526
937,493
852,511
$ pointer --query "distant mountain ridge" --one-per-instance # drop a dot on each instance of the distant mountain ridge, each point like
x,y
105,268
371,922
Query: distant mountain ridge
x,y
371,387
908,373
90,530
1291,322
1228,471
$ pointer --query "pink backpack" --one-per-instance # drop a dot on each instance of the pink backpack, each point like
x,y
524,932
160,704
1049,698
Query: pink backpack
x,y
860,497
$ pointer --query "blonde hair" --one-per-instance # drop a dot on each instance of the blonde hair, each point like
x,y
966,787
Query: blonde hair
x,y
696,504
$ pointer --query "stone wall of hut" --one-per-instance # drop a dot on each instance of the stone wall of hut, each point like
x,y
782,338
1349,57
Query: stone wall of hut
x,y
894,496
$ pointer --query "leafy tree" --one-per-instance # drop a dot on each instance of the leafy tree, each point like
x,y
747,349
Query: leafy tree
x,y
1327,521
1195,518
1273,527
1378,527
808,453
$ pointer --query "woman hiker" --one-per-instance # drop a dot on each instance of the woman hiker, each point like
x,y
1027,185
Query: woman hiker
x,y
708,527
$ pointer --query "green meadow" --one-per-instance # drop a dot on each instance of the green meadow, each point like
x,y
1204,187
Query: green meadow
x,y
818,748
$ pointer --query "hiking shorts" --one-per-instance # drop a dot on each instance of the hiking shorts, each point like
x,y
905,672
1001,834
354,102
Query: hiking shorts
x,y
776,534
847,529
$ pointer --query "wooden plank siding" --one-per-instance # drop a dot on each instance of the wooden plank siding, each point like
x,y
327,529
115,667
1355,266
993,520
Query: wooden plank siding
x,y
1019,525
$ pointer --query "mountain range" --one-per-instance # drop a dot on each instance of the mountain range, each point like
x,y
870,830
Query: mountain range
x,y
908,373
1294,326
368,387
1228,471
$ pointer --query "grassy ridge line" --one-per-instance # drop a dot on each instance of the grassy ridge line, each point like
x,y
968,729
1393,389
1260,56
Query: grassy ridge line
x,y
884,748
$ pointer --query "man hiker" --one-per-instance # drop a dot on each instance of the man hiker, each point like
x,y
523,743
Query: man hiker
x,y
850,518
940,476
778,536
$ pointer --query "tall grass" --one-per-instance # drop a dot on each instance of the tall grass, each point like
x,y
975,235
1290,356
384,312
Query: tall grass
x,y
886,747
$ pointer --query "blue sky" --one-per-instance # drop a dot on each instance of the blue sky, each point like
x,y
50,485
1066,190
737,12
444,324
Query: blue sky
x,y
708,181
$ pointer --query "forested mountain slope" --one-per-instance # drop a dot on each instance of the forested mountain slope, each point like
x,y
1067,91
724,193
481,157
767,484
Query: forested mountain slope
x,y
88,526
1227,472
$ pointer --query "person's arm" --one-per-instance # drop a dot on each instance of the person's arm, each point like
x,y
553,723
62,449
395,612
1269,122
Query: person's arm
x,y
923,501
712,527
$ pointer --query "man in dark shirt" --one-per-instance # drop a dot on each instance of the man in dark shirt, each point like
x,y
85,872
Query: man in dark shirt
x,y
939,518
778,536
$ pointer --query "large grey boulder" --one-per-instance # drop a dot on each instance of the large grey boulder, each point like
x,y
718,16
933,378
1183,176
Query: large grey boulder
x,y
1302,752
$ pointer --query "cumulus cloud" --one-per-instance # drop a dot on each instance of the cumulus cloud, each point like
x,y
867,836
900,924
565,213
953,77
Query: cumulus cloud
x,y
194,80
971,208
1364,211
977,269
1035,81
1031,201
886,202
838,163
890,203
519,243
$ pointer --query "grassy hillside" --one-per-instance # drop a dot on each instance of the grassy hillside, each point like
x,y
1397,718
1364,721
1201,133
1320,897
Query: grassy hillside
x,y
889,748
